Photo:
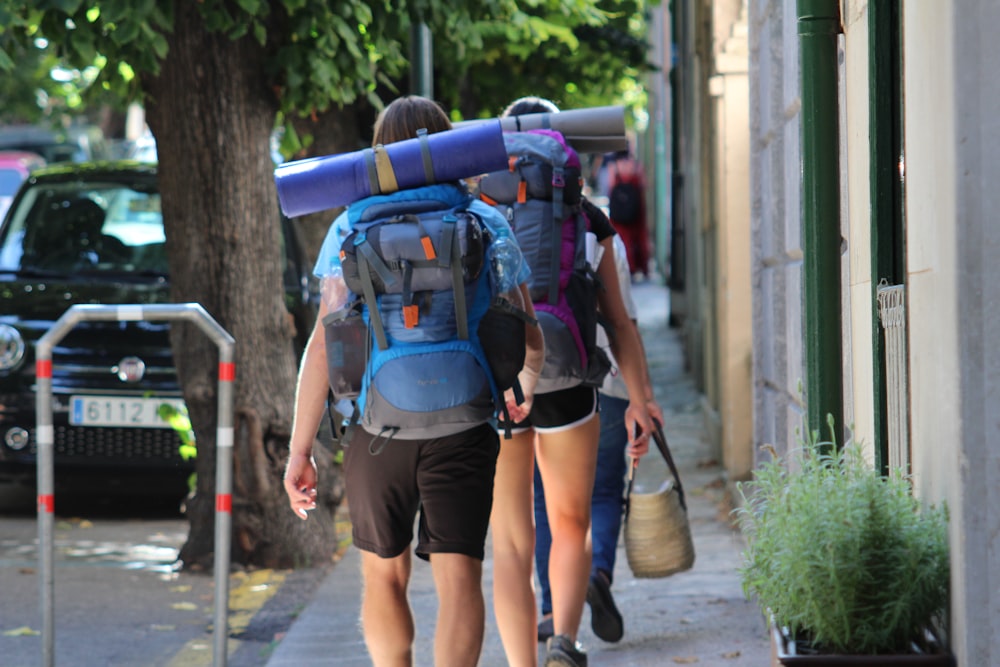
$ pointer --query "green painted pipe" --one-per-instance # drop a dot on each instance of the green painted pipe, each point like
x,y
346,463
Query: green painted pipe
x,y
818,27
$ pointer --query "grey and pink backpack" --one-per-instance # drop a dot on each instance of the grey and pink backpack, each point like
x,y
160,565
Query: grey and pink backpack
x,y
540,195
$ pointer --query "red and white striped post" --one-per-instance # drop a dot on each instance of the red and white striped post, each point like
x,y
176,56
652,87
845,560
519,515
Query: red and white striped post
x,y
223,501
45,435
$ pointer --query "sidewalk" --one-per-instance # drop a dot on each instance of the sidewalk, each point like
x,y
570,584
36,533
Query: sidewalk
x,y
696,617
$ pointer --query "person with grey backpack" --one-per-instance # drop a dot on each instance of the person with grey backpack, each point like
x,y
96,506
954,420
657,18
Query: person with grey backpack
x,y
554,225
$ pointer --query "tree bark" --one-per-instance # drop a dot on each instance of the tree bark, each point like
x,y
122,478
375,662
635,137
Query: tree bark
x,y
212,114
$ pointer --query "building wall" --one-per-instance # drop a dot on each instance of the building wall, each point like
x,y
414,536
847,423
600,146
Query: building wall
x,y
952,139
713,144
952,239
857,206
776,245
733,309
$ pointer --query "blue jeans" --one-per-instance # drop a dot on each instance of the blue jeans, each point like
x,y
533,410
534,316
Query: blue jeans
x,y
607,504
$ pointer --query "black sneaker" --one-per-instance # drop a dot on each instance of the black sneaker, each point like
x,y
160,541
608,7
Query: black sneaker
x,y
605,619
561,651
545,629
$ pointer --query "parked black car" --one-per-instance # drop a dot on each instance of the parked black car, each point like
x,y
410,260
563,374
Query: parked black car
x,y
93,233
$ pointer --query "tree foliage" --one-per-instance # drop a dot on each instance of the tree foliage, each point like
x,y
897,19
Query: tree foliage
x,y
324,56
576,54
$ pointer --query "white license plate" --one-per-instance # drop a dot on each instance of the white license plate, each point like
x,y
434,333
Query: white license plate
x,y
120,411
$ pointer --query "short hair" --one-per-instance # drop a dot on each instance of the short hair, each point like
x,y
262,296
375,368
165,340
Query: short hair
x,y
405,115
530,104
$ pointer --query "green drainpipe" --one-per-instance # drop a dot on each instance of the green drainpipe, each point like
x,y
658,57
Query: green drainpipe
x,y
818,25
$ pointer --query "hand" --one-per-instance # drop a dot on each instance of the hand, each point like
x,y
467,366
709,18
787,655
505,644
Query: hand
x,y
300,484
517,412
639,425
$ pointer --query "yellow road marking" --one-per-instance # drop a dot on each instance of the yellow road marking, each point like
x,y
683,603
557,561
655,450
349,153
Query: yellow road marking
x,y
248,592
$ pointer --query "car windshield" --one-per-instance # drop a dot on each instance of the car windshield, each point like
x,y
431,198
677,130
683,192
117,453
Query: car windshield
x,y
10,181
95,227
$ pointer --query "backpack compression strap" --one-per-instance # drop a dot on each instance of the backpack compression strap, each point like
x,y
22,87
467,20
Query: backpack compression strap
x,y
558,183
370,300
382,176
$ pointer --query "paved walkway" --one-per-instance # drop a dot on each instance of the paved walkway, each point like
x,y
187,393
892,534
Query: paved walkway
x,y
696,617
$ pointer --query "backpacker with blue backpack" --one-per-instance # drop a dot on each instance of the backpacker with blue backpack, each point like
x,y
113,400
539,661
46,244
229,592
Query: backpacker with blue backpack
x,y
438,345
540,195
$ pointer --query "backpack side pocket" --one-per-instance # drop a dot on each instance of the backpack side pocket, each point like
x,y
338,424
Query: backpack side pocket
x,y
347,349
501,333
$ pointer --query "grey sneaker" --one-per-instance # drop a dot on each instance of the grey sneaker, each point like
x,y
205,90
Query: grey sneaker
x,y
561,651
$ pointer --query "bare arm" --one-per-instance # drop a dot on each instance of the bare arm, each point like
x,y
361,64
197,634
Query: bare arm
x,y
626,345
310,403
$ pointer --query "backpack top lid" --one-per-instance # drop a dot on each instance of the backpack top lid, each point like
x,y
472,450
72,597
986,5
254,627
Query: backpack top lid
x,y
539,161
414,200
547,145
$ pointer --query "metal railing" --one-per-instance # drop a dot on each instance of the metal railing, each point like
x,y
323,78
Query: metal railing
x,y
196,314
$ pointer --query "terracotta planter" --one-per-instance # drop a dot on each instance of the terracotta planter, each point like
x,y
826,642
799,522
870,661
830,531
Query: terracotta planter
x,y
783,652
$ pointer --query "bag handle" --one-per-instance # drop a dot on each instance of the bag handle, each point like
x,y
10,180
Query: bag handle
x,y
661,443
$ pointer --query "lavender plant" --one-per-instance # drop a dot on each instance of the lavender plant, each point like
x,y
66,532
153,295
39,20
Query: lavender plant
x,y
848,560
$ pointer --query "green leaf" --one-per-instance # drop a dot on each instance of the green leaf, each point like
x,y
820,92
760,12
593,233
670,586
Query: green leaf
x,y
126,32
81,45
251,7
260,33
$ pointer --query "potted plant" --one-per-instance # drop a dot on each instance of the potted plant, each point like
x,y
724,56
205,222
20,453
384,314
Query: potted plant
x,y
849,566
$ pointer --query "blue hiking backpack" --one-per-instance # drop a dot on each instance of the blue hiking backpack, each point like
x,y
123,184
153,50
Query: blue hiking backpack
x,y
540,195
410,348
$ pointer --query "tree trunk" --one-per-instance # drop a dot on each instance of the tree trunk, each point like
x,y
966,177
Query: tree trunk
x,y
212,114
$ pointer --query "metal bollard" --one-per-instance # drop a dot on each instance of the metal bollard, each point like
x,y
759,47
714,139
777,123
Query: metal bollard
x,y
191,312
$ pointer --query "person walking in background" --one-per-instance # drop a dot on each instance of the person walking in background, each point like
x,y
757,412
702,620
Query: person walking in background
x,y
607,504
562,429
626,192
447,477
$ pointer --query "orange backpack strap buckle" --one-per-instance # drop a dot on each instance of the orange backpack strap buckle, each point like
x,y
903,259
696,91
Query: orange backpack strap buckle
x,y
411,316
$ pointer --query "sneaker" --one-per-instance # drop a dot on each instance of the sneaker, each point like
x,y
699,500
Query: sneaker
x,y
561,651
605,619
545,628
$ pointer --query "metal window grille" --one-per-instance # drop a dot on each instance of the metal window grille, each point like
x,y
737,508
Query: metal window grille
x,y
892,314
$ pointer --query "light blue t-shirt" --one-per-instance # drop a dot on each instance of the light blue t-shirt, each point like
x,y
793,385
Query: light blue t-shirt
x,y
329,253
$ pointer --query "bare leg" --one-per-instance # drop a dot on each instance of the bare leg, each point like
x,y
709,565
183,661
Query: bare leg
x,y
461,620
386,618
567,461
513,533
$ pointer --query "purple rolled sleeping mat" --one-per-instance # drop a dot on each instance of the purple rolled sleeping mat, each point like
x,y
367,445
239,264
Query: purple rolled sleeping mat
x,y
315,184
590,130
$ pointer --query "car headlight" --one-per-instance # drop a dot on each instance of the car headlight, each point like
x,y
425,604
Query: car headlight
x,y
11,347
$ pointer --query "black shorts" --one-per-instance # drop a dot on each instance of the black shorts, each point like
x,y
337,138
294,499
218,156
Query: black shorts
x,y
558,410
449,479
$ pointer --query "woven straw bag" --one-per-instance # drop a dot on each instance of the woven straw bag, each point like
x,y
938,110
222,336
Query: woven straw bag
x,y
657,533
